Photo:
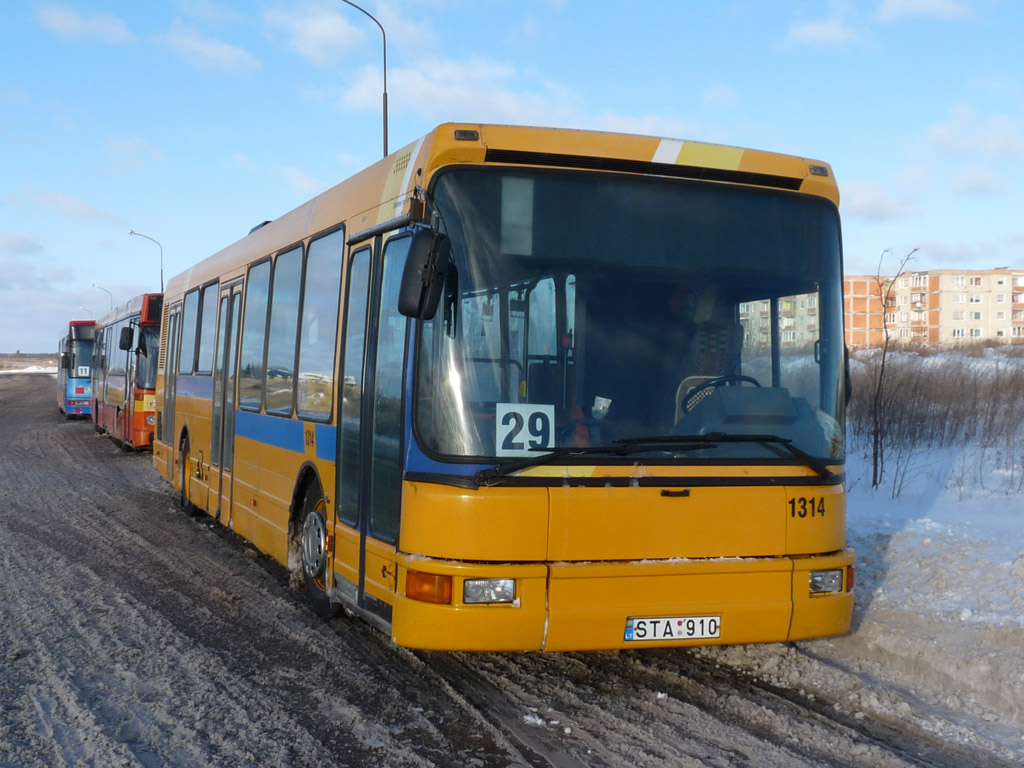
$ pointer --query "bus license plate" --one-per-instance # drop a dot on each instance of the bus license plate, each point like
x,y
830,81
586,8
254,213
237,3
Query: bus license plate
x,y
674,628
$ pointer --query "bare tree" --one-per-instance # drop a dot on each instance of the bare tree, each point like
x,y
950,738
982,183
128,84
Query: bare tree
x,y
879,411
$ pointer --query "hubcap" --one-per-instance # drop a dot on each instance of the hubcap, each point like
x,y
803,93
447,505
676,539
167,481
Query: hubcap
x,y
314,544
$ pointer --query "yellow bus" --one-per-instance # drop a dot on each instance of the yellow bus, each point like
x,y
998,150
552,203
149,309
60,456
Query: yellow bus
x,y
518,388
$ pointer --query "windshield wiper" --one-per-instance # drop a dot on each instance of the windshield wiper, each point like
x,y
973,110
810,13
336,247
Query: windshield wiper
x,y
818,465
620,448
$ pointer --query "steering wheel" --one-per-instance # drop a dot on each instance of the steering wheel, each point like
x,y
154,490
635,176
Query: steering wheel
x,y
701,391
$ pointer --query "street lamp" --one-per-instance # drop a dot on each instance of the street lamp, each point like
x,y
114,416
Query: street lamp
x,y
384,35
100,287
133,232
85,309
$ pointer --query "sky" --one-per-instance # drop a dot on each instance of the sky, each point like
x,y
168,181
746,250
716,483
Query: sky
x,y
191,121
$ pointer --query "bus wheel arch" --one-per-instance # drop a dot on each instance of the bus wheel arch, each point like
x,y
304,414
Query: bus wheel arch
x,y
184,474
308,543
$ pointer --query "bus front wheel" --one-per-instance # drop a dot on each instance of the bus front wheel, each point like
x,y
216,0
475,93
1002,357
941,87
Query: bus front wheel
x,y
313,546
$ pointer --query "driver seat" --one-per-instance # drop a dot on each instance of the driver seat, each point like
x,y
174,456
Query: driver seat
x,y
714,352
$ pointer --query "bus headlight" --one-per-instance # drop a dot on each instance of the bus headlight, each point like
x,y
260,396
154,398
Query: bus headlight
x,y
489,591
822,582
150,420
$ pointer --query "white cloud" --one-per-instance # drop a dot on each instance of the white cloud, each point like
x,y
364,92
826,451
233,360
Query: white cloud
x,y
303,182
322,34
977,180
967,134
719,95
66,22
870,201
208,53
828,32
132,153
63,205
479,89
16,245
942,9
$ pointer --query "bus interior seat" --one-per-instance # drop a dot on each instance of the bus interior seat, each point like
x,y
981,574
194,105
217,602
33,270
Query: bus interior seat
x,y
714,352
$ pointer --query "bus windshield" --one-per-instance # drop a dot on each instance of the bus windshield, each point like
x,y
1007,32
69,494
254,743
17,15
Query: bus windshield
x,y
587,310
145,377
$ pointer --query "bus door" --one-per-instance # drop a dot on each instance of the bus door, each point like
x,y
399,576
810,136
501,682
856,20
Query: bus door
x,y
370,429
224,376
166,428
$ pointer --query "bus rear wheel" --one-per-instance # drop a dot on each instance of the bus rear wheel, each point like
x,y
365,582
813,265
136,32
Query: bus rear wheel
x,y
313,547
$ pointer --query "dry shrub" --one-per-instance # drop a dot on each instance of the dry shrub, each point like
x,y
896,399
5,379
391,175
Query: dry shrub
x,y
939,401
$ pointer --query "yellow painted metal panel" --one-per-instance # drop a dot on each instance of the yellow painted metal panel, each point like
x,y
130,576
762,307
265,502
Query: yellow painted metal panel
x,y
815,519
609,523
709,156
589,604
503,627
820,615
499,523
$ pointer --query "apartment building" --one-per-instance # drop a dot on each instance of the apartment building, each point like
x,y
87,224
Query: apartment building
x,y
939,306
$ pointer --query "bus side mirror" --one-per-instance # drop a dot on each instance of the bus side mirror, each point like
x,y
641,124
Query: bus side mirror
x,y
423,277
125,342
64,360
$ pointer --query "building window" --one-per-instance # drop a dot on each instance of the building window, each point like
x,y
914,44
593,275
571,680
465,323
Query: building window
x,y
958,333
975,298
975,315
960,298
1001,298
975,281
959,281
1000,315
975,333
958,315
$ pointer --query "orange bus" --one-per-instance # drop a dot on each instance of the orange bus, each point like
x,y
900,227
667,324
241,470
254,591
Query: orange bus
x,y
517,388
124,371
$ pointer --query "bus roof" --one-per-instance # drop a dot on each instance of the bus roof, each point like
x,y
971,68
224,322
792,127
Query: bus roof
x,y
386,189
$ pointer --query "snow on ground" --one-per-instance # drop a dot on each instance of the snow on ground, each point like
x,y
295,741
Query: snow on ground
x,y
939,619
33,369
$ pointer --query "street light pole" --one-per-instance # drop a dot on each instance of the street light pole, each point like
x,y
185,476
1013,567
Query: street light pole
x,y
133,232
383,35
100,287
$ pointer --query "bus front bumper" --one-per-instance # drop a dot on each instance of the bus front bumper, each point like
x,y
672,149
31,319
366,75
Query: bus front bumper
x,y
638,604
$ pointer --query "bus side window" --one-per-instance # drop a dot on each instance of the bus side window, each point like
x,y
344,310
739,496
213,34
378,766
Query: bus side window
x,y
321,292
254,331
284,319
190,318
207,329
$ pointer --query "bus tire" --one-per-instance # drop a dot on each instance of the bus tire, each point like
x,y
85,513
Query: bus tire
x,y
312,532
186,481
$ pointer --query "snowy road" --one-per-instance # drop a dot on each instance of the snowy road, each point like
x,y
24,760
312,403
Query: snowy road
x,y
131,635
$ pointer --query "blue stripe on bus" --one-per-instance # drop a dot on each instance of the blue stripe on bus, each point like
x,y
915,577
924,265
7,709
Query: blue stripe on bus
x,y
271,430
326,442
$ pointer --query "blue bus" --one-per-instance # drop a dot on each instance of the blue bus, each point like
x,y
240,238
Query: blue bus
x,y
74,390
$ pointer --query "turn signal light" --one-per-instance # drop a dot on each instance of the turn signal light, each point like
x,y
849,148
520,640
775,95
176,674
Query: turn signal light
x,y
428,587
851,577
